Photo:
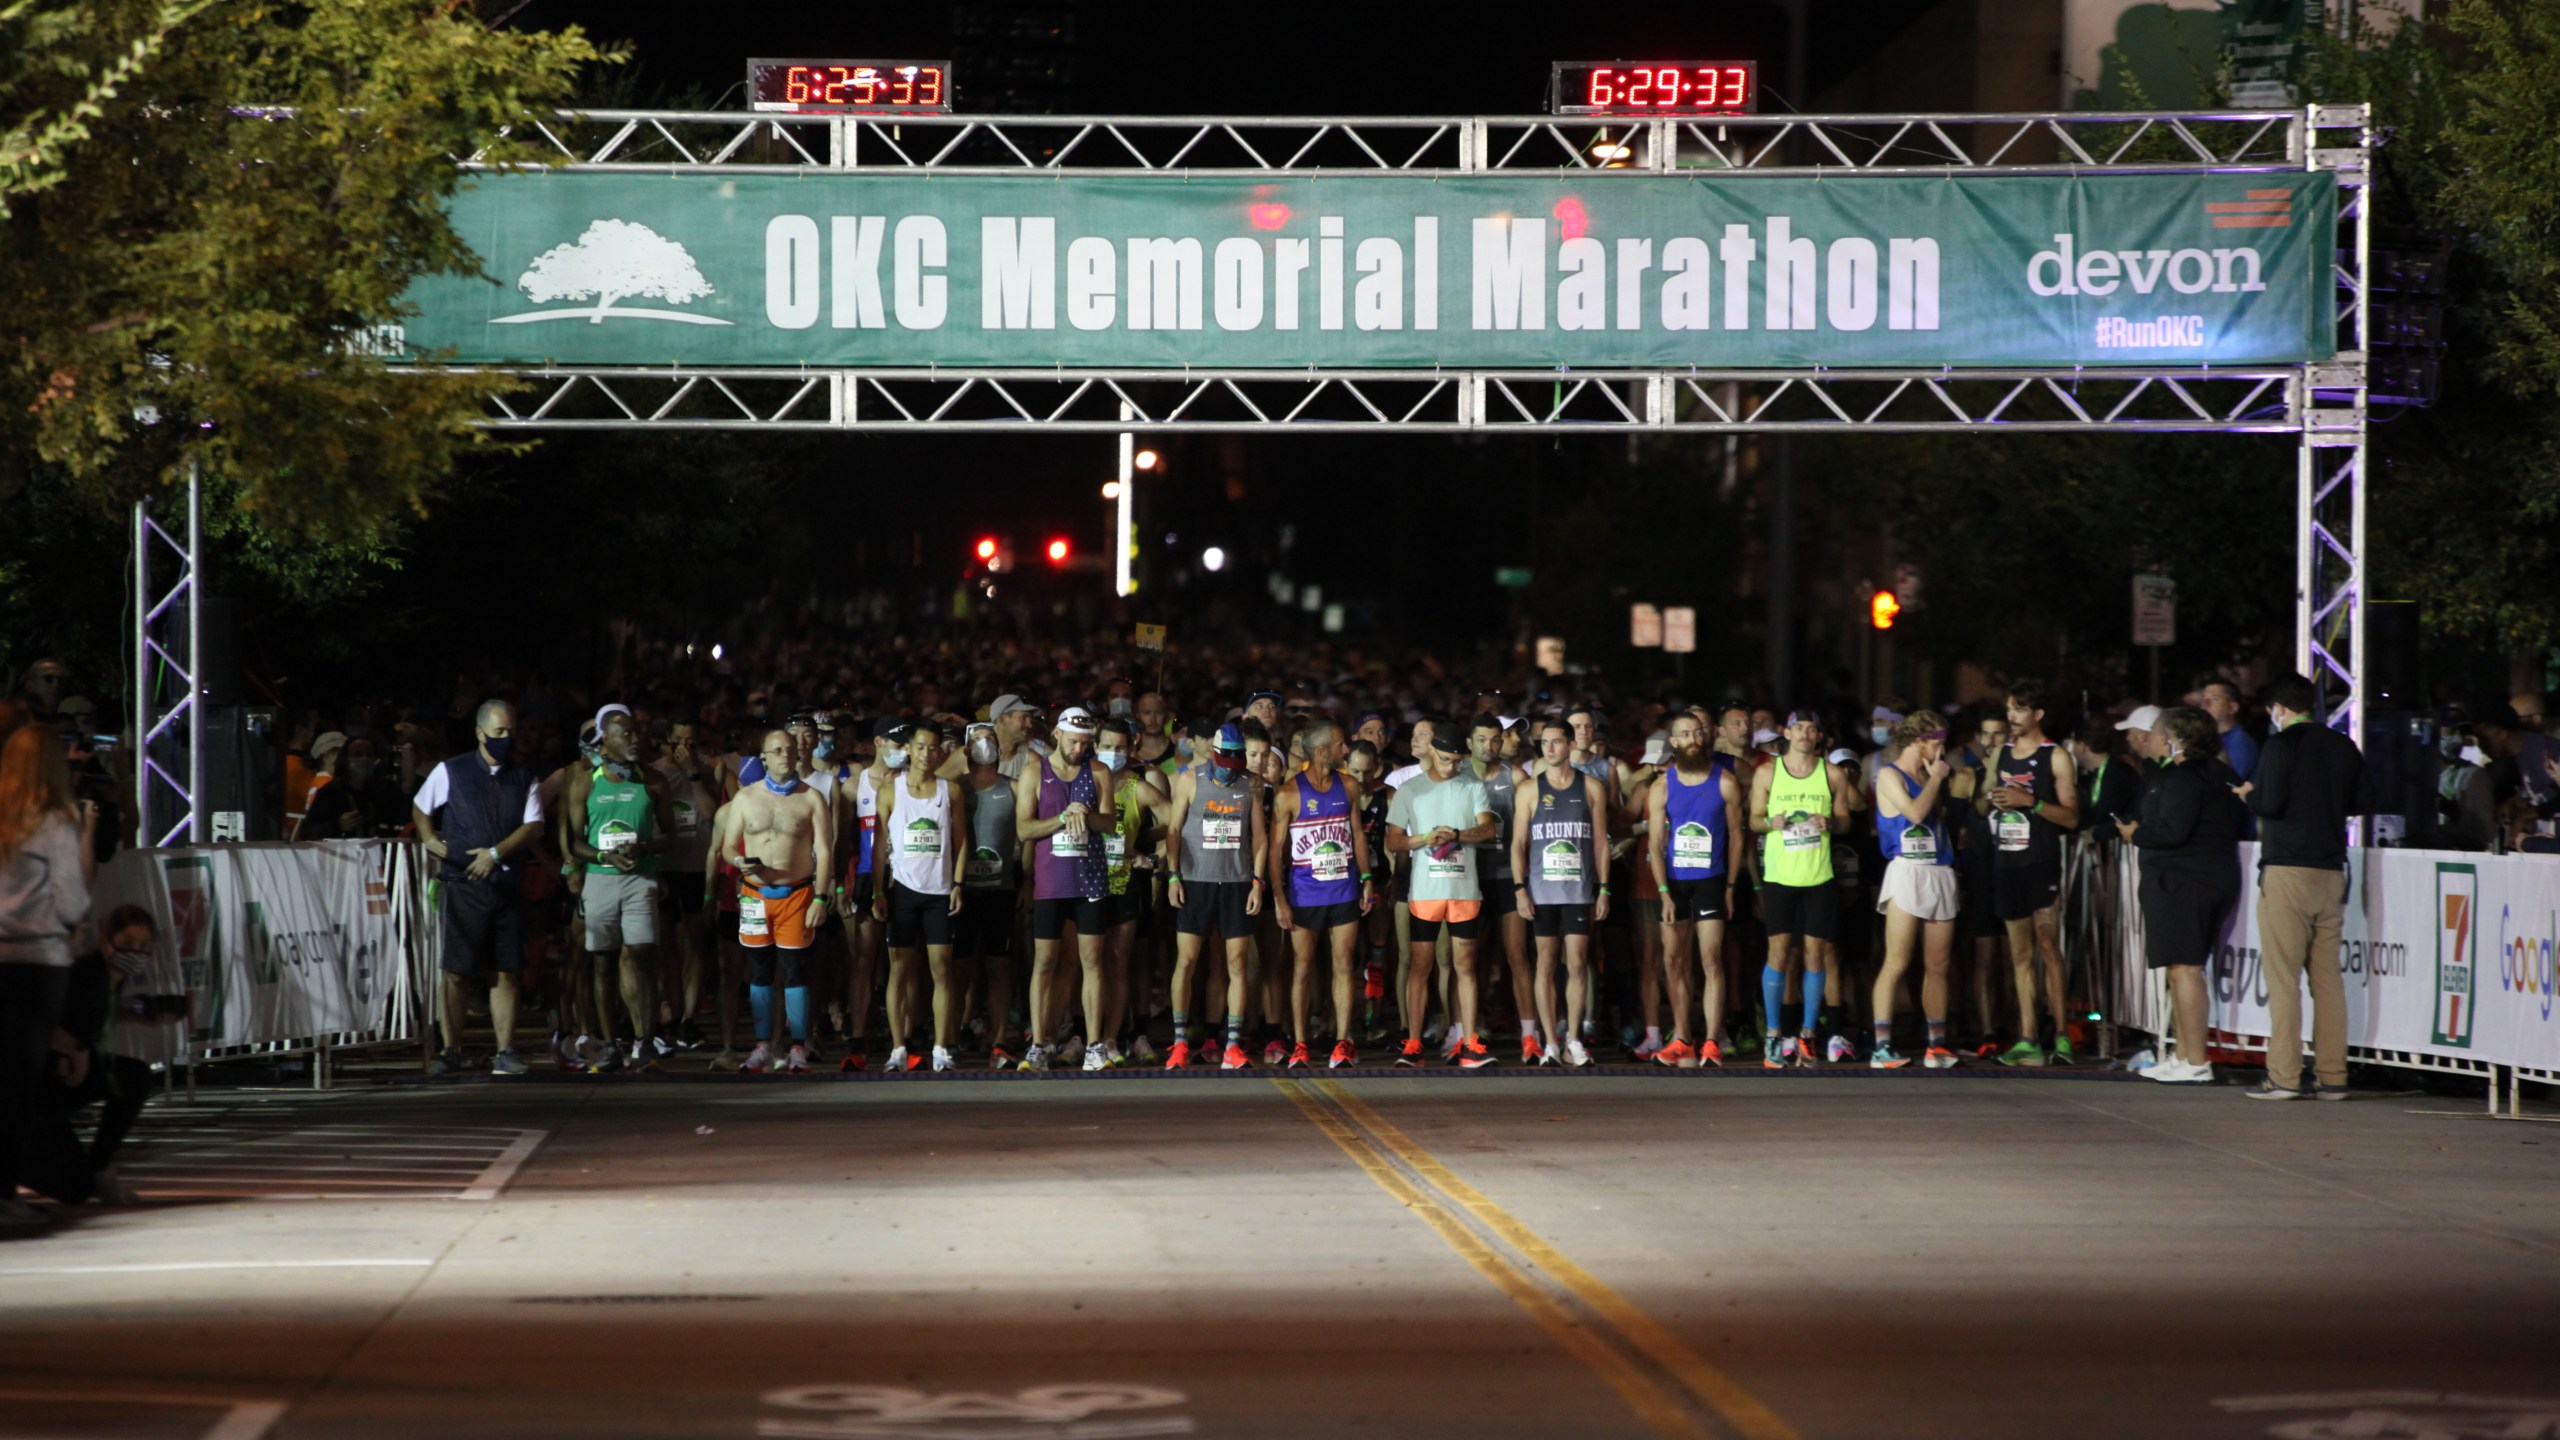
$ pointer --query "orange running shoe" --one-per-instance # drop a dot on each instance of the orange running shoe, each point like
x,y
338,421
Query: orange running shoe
x,y
1179,1057
1474,1056
1298,1059
1529,1050
852,1063
1711,1054
1236,1059
1677,1055
1345,1055
1410,1058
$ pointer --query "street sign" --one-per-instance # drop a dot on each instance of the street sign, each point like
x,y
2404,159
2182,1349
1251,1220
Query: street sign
x,y
1512,577
2155,610
1906,584
1644,627
1151,637
1679,630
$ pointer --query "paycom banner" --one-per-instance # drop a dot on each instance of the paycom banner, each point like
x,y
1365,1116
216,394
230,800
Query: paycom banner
x,y
1609,269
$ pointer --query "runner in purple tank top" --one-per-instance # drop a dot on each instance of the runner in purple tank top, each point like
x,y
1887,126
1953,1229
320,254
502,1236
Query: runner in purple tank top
x,y
1059,818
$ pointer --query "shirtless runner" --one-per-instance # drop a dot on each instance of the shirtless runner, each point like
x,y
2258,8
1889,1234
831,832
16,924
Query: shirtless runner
x,y
779,827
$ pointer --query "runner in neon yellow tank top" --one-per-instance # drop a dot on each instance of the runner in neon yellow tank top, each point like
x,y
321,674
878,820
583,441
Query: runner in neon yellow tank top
x,y
1795,805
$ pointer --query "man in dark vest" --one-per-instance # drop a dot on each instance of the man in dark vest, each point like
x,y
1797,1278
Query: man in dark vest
x,y
479,812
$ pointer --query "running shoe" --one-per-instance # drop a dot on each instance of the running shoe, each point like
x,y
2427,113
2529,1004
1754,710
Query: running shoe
x,y
1143,1050
1939,1057
1576,1056
1000,1058
688,1035
642,1061
1112,1057
1774,1052
797,1062
853,1061
1531,1053
724,1063
2062,1051
1883,1058
1298,1058
661,1046
1410,1057
1457,1043
1840,1051
1235,1058
1677,1055
1035,1056
1096,1058
1273,1053
563,1056
1804,1053
1651,1046
1071,1050
2023,1053
897,1059
1179,1057
587,1052
914,1061
942,1060
1473,1056
448,1061
1711,1054
1345,1055
760,1059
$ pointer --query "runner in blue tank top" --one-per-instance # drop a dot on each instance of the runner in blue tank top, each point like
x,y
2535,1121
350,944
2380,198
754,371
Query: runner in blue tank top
x,y
1920,894
1689,828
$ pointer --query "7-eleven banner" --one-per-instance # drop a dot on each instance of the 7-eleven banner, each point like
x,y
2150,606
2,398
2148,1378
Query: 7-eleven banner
x,y
277,943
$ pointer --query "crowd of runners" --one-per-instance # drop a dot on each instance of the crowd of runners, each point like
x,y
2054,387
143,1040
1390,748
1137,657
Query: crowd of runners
x,y
1270,878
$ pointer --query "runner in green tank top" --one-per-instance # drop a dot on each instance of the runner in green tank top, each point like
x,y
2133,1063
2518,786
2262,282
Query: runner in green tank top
x,y
1795,805
619,819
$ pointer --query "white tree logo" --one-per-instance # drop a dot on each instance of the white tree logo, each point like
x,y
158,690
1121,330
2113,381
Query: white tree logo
x,y
615,260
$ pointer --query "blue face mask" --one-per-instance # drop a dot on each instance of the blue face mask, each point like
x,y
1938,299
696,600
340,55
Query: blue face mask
x,y
826,750
1113,760
780,787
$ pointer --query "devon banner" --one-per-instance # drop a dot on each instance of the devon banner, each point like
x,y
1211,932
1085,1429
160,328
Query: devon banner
x,y
1383,270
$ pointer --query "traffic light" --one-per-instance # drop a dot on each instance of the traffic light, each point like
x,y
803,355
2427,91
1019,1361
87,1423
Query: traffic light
x,y
986,547
1058,550
1883,608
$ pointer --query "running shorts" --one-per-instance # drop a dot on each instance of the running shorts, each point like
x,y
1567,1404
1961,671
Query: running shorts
x,y
2018,892
620,910
483,926
1463,918
1689,901
1501,895
1548,922
1321,918
1927,892
1050,918
1213,905
1812,911
780,920
2183,916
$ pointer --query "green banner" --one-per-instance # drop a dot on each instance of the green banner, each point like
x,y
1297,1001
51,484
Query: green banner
x,y
1383,270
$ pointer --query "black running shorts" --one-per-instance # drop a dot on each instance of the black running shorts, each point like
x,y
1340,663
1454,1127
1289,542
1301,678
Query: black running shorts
x,y
1812,911
1213,905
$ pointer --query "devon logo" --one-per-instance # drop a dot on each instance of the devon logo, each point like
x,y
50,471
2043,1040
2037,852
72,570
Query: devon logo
x,y
615,260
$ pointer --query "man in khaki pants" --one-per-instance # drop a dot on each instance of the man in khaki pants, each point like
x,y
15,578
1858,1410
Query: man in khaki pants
x,y
2309,780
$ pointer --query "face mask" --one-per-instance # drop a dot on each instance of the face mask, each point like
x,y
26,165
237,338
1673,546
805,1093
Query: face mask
x,y
895,760
1119,705
1182,747
1880,733
498,747
1228,767
982,751
2450,746
360,771
1112,760
130,964
826,750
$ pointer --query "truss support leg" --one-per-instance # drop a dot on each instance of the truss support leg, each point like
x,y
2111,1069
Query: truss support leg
x,y
168,635
2329,567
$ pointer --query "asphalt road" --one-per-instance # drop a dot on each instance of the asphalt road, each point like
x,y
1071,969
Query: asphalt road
x,y
1093,1258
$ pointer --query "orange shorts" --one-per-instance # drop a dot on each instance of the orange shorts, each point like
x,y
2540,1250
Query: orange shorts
x,y
1455,912
782,923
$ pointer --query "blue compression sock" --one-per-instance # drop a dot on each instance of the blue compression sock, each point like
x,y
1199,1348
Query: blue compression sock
x,y
795,1003
1812,1000
760,1004
1773,1001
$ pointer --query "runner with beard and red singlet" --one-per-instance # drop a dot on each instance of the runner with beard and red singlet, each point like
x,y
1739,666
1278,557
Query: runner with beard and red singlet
x,y
784,839
1509,928
1057,810
1216,844
1437,818
1689,851
1559,841
2035,801
1322,854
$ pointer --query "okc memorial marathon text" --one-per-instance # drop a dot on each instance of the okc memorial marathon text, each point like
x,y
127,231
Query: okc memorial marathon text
x,y
1519,280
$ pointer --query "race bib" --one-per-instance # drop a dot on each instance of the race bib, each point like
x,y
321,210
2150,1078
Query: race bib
x,y
688,819
1801,832
1693,847
1561,864
2010,827
1221,834
751,919
1115,847
613,840
1068,847
924,837
986,867
1330,866
1453,868
1919,844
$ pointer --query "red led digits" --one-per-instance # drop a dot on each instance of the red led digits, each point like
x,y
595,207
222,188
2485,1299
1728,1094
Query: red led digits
x,y
929,90
1599,87
1734,96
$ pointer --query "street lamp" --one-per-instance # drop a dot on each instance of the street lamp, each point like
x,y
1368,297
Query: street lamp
x,y
1213,559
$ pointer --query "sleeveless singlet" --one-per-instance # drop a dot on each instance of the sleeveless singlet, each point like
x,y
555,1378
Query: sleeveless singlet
x,y
1217,831
1320,855
1700,830
1897,838
1561,868
618,814
1493,857
918,857
866,808
1063,868
1795,851
2021,837
691,806
1121,840
992,844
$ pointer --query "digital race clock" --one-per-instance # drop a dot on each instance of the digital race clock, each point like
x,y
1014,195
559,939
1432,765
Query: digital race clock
x,y
1667,87
888,87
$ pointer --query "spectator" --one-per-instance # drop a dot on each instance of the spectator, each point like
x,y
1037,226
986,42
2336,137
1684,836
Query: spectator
x,y
103,989
2223,701
2310,779
2108,775
2189,835
42,689
354,801
46,863
325,753
490,813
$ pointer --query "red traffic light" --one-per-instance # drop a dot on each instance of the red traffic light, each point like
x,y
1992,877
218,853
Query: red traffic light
x,y
1883,608
986,547
1058,552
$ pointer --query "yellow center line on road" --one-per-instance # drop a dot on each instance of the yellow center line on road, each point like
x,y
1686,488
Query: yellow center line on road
x,y
1657,1406
1719,1391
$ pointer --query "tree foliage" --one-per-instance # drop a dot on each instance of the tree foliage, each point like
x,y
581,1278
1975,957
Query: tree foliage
x,y
244,208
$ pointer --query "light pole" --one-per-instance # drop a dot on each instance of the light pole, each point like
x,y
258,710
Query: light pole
x,y
1124,535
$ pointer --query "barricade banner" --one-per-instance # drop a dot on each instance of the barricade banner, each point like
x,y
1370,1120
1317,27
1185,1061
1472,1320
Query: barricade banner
x,y
277,943
2446,954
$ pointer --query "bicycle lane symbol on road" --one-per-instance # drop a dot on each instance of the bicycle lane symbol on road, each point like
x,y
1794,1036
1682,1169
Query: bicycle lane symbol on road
x,y
1042,1412
2401,1415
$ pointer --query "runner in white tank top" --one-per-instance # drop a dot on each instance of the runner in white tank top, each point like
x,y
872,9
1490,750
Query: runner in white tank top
x,y
915,859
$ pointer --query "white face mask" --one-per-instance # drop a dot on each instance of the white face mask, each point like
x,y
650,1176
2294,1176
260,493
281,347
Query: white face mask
x,y
895,759
1880,733
1112,759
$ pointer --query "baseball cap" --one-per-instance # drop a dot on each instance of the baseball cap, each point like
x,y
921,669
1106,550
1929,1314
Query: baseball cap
x,y
1802,717
1763,737
894,730
1273,696
1074,720
1007,704
1231,737
616,708
1446,744
1842,756
328,745
1508,722
2144,717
